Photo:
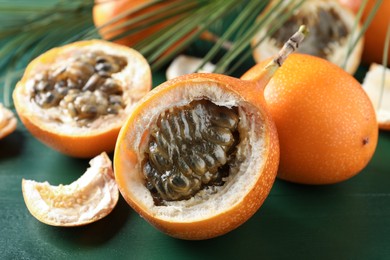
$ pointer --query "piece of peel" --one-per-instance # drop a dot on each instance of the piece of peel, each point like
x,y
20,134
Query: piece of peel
x,y
377,86
86,200
8,121
184,64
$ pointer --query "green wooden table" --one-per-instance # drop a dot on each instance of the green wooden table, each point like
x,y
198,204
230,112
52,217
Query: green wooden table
x,y
349,220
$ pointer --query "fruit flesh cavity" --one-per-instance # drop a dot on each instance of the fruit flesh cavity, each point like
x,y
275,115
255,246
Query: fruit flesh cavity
x,y
119,86
325,34
84,123
331,28
80,87
191,148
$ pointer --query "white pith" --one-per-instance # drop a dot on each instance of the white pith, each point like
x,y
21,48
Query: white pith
x,y
377,86
89,198
184,64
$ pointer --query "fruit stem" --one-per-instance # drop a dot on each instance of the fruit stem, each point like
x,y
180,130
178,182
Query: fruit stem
x,y
289,47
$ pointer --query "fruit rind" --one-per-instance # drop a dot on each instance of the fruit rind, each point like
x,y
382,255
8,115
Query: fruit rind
x,y
100,135
86,200
326,124
206,215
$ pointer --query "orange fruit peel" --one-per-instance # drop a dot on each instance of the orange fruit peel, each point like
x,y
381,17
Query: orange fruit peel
x,y
377,86
64,125
86,200
8,121
110,19
326,124
375,35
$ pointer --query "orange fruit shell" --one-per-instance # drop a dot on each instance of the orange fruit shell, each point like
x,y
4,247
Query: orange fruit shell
x,y
104,11
127,164
325,135
76,146
85,144
375,36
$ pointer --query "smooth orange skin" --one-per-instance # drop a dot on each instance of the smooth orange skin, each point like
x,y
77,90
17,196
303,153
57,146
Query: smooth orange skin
x,y
77,145
104,11
86,146
326,123
375,36
232,217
